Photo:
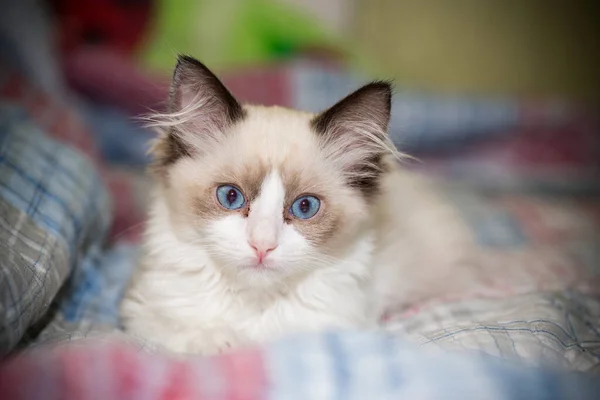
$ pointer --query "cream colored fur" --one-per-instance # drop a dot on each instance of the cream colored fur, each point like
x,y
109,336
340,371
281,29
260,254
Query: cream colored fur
x,y
199,289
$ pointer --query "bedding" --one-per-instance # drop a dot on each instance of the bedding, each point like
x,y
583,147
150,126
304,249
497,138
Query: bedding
x,y
330,365
66,256
536,282
55,214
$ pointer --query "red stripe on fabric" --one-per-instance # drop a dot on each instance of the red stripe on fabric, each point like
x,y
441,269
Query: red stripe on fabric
x,y
178,385
74,367
127,372
15,377
245,375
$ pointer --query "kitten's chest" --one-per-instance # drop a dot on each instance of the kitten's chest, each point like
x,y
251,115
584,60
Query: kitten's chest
x,y
260,321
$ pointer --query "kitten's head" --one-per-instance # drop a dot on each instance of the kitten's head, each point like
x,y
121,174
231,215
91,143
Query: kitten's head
x,y
270,193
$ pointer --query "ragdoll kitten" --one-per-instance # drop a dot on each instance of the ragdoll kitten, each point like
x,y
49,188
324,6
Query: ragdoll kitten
x,y
266,221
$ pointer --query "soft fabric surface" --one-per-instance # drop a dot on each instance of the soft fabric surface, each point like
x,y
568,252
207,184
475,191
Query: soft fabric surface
x,y
55,214
558,329
60,121
535,269
535,281
534,296
533,300
324,366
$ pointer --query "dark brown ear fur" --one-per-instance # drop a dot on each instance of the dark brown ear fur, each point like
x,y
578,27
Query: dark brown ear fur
x,y
191,78
199,104
358,125
371,102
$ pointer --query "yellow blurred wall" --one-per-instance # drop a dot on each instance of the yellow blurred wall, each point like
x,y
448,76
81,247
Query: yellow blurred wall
x,y
530,47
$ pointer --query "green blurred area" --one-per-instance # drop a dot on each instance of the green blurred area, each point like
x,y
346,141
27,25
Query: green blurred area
x,y
231,33
514,47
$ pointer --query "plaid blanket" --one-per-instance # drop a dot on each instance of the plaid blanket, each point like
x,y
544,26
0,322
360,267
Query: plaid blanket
x,y
535,299
55,215
325,366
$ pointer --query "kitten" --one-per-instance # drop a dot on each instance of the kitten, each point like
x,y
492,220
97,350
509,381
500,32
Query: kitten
x,y
266,221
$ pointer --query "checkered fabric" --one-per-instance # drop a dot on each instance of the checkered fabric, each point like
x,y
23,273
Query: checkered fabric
x,y
533,291
54,211
559,329
536,301
61,121
344,366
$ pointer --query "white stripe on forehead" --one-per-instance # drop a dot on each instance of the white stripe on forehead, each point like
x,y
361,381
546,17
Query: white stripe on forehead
x,y
272,194
266,211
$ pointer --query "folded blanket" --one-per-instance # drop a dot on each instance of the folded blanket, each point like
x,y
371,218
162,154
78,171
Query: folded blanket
x,y
55,213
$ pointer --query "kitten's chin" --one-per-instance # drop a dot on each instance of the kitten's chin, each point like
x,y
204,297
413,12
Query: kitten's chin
x,y
260,276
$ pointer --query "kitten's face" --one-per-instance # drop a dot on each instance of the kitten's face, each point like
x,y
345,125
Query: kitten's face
x,y
270,193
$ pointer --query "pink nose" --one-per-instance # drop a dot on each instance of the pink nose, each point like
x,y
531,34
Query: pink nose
x,y
262,250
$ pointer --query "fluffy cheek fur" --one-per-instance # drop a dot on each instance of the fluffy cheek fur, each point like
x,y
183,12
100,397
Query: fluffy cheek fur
x,y
302,246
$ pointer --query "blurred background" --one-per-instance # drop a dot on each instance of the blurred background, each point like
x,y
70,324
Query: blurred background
x,y
500,94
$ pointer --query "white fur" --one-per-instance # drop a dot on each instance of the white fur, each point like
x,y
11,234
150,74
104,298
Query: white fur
x,y
184,302
264,225
199,287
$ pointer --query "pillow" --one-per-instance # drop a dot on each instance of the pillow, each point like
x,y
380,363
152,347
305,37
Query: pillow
x,y
54,210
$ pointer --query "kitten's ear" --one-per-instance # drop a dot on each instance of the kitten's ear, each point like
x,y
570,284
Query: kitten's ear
x,y
354,134
200,109
370,104
196,89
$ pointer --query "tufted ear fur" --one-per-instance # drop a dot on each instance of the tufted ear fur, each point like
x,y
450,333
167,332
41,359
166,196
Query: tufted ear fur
x,y
200,110
354,134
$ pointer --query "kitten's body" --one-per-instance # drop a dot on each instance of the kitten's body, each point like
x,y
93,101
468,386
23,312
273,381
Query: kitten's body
x,y
200,288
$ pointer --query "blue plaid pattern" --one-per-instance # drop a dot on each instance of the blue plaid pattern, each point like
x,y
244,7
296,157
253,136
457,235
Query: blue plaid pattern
x,y
332,366
369,366
54,209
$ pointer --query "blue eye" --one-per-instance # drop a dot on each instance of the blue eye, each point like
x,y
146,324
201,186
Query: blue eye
x,y
305,207
230,197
